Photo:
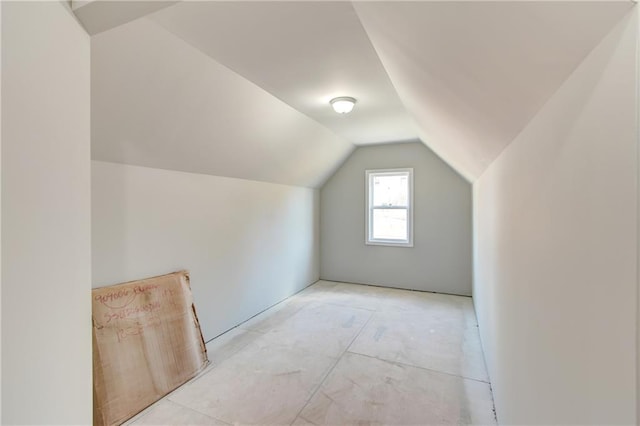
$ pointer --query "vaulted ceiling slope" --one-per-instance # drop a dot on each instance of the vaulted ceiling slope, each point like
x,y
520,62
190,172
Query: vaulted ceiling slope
x,y
305,53
241,89
159,102
97,16
473,74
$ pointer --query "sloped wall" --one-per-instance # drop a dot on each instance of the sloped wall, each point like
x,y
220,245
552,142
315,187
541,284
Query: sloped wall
x,y
157,101
555,223
46,309
247,244
440,259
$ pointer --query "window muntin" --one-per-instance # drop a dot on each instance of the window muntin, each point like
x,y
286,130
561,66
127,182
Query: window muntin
x,y
389,207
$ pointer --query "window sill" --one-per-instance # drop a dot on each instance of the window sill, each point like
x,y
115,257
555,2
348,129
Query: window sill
x,y
389,243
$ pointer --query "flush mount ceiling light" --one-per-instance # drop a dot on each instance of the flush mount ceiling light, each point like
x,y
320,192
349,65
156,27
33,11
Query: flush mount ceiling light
x,y
343,104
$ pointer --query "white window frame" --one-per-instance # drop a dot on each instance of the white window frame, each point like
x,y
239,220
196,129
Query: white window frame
x,y
369,240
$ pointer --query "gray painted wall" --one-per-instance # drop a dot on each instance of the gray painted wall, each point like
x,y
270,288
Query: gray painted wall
x,y
441,259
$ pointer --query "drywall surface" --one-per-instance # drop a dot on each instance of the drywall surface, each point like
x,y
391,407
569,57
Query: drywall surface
x,y
46,310
157,101
247,244
441,258
638,212
555,220
0,212
473,73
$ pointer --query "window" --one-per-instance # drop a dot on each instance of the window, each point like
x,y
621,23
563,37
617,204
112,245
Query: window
x,y
390,207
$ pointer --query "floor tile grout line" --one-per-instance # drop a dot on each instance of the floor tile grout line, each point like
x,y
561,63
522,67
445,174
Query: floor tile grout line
x,y
317,388
283,301
378,310
299,294
330,370
167,398
359,333
305,301
200,412
209,368
133,420
396,288
403,364
373,312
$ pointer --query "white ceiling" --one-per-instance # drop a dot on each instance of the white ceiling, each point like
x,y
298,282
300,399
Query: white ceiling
x,y
304,53
98,16
473,74
241,88
158,102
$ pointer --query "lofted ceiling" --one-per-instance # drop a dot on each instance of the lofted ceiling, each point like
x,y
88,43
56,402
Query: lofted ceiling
x,y
473,74
158,102
98,15
304,53
241,89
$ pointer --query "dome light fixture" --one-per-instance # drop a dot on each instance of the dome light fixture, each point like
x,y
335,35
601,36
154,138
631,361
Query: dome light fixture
x,y
343,104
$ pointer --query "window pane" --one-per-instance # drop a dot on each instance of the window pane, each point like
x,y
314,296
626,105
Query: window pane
x,y
389,224
390,190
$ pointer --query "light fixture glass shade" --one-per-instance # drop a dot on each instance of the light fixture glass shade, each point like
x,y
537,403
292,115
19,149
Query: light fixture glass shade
x,y
343,105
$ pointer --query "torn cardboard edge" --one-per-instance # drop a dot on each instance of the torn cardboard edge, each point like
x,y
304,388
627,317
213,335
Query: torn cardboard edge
x,y
147,342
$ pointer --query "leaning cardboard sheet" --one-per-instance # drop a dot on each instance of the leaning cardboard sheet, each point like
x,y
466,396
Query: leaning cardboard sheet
x,y
146,342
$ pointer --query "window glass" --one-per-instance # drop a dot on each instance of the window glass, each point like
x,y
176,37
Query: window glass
x,y
390,190
389,224
389,207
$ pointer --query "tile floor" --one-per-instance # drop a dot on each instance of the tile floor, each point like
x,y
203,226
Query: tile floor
x,y
340,354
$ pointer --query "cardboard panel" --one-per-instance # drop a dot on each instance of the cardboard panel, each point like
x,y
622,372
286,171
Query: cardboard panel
x,y
146,342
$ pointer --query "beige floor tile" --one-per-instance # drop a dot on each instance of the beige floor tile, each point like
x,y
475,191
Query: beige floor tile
x,y
226,345
261,384
166,413
417,301
362,390
399,343
318,287
320,328
438,340
301,422
342,294
274,316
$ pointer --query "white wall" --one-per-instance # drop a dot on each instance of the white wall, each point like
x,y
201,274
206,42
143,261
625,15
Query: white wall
x,y
441,258
247,244
46,311
556,250
638,212
0,212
